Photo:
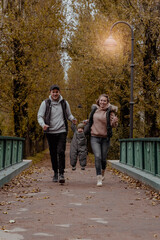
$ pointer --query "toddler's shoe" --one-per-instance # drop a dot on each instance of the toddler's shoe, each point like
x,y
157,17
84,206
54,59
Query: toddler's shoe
x,y
73,168
82,168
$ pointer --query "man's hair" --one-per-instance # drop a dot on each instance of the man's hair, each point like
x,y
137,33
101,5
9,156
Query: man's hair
x,y
55,86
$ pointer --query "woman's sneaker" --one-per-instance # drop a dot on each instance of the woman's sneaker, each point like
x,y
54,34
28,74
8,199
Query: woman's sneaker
x,y
99,180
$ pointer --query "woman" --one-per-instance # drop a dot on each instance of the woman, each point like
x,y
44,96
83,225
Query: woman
x,y
102,119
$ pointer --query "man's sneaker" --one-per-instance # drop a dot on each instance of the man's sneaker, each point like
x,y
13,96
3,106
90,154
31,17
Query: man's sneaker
x,y
55,177
73,168
61,178
82,168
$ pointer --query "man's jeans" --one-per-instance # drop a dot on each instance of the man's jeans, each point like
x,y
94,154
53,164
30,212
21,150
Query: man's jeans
x,y
100,147
57,147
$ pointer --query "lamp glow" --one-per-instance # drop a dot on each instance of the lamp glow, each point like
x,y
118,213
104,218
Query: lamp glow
x,y
110,42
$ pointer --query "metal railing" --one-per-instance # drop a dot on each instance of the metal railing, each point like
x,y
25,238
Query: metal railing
x,y
11,151
141,153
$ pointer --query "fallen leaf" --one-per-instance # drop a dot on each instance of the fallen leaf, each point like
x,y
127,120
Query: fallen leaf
x,y
3,228
47,197
137,199
12,221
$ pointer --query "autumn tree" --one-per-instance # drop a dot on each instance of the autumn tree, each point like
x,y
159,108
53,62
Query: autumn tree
x,y
93,67
100,72
31,36
144,16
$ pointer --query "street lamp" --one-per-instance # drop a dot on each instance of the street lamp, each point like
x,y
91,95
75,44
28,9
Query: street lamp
x,y
112,43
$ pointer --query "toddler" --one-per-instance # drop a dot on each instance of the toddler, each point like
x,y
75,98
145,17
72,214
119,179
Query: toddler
x,y
78,147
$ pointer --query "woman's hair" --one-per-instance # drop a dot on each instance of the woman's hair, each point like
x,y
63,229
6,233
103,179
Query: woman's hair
x,y
102,95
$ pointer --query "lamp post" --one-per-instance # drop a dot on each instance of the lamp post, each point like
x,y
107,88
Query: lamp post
x,y
111,42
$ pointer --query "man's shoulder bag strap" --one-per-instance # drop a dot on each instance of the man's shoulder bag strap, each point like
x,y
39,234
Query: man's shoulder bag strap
x,y
64,106
48,111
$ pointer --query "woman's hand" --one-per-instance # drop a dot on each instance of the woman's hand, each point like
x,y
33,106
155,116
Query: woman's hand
x,y
113,120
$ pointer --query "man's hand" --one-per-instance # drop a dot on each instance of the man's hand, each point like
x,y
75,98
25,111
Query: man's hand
x,y
74,121
45,127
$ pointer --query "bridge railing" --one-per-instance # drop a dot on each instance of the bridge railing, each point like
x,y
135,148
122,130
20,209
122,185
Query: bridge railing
x,y
11,151
141,153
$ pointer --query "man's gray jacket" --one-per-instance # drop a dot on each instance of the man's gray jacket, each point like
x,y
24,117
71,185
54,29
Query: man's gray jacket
x,y
57,124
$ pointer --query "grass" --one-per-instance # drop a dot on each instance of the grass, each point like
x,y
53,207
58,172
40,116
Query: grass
x,y
38,157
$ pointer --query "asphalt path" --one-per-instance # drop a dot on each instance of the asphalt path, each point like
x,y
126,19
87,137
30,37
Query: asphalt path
x,y
32,207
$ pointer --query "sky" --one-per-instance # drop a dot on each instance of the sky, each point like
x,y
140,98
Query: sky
x,y
71,19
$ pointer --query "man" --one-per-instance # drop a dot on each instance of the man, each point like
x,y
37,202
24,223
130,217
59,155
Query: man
x,y
52,117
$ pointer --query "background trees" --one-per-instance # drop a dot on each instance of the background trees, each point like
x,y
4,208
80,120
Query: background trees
x,y
31,50
112,73
99,70
30,63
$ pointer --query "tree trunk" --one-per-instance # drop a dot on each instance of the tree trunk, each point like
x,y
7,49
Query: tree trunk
x,y
19,92
149,83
